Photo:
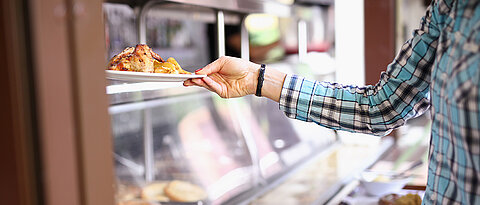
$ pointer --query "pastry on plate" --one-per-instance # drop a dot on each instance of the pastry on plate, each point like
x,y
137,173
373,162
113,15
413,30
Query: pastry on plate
x,y
141,58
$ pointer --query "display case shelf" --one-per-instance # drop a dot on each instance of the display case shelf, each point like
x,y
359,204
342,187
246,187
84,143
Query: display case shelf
x,y
121,92
238,6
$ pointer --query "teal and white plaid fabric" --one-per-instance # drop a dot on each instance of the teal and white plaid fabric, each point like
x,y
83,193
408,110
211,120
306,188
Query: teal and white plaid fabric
x,y
439,67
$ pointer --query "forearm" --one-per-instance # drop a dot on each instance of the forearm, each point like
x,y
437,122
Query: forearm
x,y
371,109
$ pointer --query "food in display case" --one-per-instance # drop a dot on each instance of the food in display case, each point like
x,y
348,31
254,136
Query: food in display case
x,y
182,191
160,192
175,191
142,59
155,192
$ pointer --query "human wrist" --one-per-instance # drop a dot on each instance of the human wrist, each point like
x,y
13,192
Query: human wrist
x,y
273,83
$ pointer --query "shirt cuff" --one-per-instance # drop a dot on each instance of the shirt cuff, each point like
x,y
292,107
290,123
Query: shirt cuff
x,y
296,97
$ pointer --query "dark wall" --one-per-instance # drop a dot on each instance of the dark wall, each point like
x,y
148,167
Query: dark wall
x,y
379,37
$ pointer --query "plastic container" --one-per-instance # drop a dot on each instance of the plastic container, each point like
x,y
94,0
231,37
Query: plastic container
x,y
382,183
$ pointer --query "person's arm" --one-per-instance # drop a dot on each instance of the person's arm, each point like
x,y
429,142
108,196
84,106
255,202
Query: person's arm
x,y
401,93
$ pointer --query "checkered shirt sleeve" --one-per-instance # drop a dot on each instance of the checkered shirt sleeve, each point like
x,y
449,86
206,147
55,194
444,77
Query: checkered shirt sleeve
x,y
401,93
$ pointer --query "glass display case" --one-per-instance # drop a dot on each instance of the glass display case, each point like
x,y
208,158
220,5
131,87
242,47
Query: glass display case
x,y
191,138
226,147
177,145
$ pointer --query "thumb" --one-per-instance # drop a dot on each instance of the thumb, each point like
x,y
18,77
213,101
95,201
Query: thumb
x,y
213,67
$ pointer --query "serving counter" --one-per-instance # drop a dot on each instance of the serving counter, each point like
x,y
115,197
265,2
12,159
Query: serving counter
x,y
235,151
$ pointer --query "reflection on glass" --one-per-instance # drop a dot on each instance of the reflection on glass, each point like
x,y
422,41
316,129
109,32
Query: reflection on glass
x,y
275,124
128,146
195,140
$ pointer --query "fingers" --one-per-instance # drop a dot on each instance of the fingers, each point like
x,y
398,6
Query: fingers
x,y
188,82
201,83
213,67
191,82
215,86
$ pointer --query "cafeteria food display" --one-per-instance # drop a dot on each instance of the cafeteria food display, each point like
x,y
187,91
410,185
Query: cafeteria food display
x,y
178,146
162,191
141,58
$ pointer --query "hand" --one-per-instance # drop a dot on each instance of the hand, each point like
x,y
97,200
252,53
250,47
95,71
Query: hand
x,y
229,77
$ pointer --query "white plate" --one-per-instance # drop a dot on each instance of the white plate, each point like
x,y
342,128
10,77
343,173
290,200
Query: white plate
x,y
148,77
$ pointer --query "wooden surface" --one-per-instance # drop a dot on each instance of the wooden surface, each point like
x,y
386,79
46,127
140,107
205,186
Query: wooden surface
x,y
379,38
69,55
19,162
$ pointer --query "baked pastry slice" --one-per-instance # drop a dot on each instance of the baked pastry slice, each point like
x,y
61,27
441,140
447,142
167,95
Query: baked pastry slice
x,y
143,59
182,191
155,192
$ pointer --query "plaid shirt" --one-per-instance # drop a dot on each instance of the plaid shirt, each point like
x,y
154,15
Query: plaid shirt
x,y
438,67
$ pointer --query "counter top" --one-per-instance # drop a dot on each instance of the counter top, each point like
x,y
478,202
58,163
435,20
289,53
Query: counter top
x,y
325,175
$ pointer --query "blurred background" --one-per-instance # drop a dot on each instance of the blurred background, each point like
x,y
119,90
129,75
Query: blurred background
x,y
71,136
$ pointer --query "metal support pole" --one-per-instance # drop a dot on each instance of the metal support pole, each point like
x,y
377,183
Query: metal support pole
x,y
142,20
244,41
302,40
148,145
221,33
141,24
